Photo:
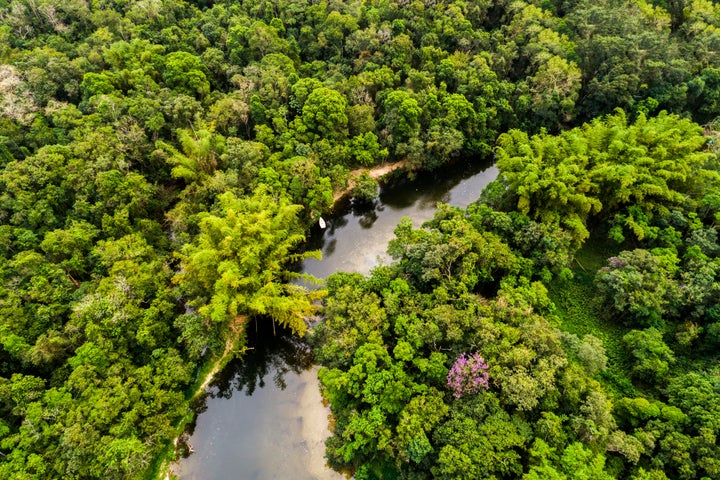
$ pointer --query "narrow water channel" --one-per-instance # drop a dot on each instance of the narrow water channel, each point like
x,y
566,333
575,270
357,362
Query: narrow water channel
x,y
263,417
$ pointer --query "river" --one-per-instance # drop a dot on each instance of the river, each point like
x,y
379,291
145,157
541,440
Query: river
x,y
263,417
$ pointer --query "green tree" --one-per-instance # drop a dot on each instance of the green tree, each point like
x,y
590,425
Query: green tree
x,y
201,151
366,188
324,115
639,286
402,115
185,73
237,265
652,357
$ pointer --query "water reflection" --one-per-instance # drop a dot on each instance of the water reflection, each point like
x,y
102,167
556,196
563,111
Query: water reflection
x,y
368,213
263,417
276,355
356,239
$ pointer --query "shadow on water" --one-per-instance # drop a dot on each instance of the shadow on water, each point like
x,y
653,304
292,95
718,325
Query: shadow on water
x,y
427,189
263,416
367,213
357,235
273,355
404,196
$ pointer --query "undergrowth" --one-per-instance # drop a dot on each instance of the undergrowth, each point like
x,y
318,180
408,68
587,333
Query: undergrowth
x,y
579,313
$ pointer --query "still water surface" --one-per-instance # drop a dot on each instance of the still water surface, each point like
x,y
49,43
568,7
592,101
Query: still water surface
x,y
263,417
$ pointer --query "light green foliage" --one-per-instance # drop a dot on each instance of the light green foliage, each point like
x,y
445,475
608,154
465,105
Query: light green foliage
x,y
70,248
253,40
628,172
575,463
237,264
549,180
343,309
201,150
96,84
581,464
592,354
479,445
99,385
129,131
651,355
300,178
301,90
184,72
36,192
420,416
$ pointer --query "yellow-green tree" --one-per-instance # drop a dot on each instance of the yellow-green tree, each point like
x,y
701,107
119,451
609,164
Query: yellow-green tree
x,y
238,264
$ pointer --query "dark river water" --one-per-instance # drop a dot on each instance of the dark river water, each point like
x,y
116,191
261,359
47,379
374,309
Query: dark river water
x,y
263,417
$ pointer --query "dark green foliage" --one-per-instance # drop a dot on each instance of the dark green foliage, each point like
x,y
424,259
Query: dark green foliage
x,y
366,188
389,340
638,286
465,281
135,135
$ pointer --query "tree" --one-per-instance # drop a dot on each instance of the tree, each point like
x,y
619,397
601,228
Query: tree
x,y
638,286
576,462
629,173
592,354
546,175
402,115
237,265
652,357
451,253
479,442
468,375
366,188
185,73
324,115
201,151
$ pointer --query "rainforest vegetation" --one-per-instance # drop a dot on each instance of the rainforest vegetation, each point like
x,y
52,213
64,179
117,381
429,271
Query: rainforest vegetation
x,y
478,354
161,162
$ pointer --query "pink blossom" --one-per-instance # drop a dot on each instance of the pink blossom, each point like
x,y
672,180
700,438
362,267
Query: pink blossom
x,y
468,375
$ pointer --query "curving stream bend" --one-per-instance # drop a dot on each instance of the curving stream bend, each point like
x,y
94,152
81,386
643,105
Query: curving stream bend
x,y
263,417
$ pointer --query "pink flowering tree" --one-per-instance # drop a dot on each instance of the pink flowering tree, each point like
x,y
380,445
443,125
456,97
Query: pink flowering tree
x,y
468,375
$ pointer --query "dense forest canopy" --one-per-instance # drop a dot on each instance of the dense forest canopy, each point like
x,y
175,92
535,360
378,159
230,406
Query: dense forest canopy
x,y
478,355
161,161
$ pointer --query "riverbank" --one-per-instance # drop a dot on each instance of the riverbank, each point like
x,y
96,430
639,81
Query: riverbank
x,y
218,438
165,471
232,348
375,172
266,416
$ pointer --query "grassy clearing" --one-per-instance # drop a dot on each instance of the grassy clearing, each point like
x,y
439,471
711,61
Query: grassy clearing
x,y
579,313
